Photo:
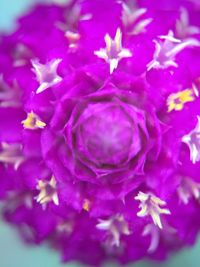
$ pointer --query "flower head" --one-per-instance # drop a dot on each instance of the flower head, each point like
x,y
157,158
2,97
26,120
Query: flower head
x,y
100,144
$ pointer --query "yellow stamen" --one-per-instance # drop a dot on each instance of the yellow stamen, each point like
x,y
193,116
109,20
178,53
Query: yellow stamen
x,y
176,101
33,122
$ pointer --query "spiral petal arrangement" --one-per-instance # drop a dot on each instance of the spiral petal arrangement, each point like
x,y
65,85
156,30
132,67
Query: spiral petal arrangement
x,y
100,128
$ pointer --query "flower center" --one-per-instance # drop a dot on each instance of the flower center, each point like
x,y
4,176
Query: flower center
x,y
106,134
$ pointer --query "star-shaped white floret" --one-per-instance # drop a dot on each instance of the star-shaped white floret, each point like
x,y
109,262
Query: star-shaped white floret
x,y
192,139
150,206
187,189
131,17
46,73
48,192
72,18
113,52
167,49
183,27
9,96
11,154
115,227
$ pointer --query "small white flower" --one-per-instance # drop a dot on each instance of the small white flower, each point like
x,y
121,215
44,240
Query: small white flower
x,y
113,52
131,18
183,27
192,139
48,192
156,233
187,189
11,154
150,206
167,49
46,74
9,95
115,227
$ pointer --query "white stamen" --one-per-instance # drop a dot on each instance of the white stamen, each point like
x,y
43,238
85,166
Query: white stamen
x,y
192,139
140,27
113,52
166,51
9,96
72,18
11,154
46,74
183,28
150,206
154,232
115,227
188,189
48,192
131,18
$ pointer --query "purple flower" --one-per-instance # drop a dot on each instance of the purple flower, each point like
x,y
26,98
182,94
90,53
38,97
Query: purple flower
x,y
99,133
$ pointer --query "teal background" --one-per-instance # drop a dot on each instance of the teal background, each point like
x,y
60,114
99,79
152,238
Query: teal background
x,y
13,253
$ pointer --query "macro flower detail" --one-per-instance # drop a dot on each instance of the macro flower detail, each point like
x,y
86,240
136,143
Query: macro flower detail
x,y
183,27
86,205
150,205
192,139
154,232
100,143
115,227
48,192
176,101
11,154
114,51
46,74
188,189
132,19
9,95
33,122
166,50
73,39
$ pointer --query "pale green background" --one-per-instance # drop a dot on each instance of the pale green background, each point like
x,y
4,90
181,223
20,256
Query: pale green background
x,y
13,253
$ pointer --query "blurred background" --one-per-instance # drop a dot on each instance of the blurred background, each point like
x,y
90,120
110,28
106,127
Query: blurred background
x,y
13,253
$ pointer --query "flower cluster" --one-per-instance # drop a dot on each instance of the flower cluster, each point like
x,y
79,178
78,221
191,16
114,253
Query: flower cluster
x,y
100,128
